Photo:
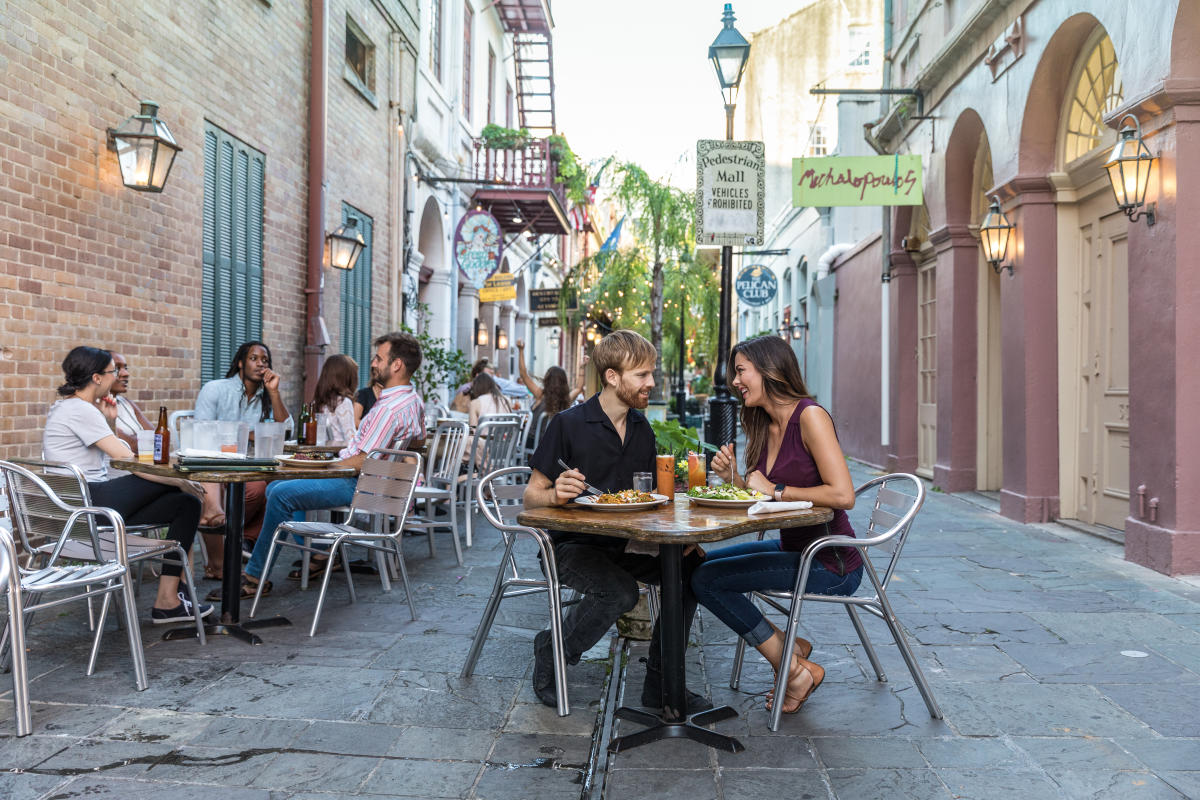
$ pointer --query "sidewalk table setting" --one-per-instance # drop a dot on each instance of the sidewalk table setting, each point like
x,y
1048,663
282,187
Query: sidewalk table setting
x,y
234,473
673,526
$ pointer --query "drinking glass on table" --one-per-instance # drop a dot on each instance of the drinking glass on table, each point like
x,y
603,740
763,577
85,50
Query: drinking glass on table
x,y
145,446
643,482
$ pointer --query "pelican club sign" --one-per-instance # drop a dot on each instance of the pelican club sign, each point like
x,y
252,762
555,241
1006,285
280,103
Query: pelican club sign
x,y
477,247
756,285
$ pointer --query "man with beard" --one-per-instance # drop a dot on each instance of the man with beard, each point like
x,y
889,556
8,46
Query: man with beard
x,y
396,419
604,440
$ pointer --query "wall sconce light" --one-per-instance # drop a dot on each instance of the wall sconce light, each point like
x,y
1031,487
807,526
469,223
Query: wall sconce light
x,y
796,329
345,245
481,333
995,232
145,149
1129,169
501,338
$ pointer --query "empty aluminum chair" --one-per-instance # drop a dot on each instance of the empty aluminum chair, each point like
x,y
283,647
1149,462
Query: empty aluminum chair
x,y
499,496
383,495
898,498
29,495
443,458
493,447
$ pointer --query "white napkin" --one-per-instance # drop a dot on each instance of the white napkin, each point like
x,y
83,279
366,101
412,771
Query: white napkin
x,y
196,453
772,507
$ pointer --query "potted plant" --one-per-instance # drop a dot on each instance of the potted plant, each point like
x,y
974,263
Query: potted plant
x,y
672,438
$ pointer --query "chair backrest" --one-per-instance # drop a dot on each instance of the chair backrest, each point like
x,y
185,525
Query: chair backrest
x,y
495,443
173,423
525,417
500,495
445,451
385,486
8,561
37,519
539,429
898,498
44,521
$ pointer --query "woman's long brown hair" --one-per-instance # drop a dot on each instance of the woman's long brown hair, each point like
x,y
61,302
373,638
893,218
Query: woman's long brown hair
x,y
782,382
339,378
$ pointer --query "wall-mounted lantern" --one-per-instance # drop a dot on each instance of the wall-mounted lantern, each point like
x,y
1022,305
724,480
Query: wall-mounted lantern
x,y
481,333
145,149
796,329
345,245
501,338
1129,169
995,233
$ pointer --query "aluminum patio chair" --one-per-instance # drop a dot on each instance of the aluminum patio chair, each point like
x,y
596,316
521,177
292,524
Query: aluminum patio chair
x,y
493,447
499,496
443,459
898,498
383,495
30,498
45,522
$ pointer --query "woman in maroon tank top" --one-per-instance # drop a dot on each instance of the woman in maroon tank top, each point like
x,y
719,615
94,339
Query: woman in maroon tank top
x,y
794,454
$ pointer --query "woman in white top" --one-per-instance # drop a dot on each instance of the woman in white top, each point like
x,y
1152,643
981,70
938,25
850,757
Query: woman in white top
x,y
334,396
486,398
79,431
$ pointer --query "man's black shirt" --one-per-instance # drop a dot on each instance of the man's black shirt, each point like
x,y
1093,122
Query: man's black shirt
x,y
584,437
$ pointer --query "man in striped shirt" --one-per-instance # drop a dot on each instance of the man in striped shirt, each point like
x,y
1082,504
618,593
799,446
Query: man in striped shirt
x,y
396,419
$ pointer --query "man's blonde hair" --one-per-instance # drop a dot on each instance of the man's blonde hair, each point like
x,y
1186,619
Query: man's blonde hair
x,y
622,350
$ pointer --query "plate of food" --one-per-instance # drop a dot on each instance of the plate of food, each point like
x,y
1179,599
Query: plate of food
x,y
625,500
308,460
724,496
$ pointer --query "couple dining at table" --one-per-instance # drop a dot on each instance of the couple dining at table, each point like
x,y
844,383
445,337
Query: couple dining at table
x,y
792,454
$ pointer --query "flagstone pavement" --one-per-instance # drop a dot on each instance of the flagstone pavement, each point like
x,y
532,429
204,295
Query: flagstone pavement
x,y
1063,671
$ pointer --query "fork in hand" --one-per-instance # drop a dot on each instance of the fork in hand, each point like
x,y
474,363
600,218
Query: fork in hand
x,y
591,489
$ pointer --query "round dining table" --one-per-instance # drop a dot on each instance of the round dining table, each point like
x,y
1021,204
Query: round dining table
x,y
673,526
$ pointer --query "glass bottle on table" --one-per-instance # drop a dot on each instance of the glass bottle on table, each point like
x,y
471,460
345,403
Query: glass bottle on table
x,y
162,438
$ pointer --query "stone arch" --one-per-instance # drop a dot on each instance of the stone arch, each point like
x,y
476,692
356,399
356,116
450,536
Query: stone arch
x,y
434,279
961,165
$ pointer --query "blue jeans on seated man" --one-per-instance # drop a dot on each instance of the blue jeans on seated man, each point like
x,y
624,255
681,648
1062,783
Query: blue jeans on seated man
x,y
722,581
285,499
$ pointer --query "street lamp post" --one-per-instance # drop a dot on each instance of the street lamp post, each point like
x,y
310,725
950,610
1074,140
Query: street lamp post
x,y
681,387
729,53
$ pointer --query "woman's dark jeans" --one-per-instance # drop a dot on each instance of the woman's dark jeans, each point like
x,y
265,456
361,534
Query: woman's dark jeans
x,y
142,502
723,580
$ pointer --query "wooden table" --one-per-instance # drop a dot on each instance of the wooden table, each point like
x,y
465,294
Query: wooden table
x,y
235,506
673,526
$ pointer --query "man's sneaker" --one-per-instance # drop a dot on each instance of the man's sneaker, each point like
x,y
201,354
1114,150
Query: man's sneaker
x,y
180,613
652,694
543,670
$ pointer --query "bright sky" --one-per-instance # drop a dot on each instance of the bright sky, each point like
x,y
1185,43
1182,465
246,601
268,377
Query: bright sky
x,y
632,77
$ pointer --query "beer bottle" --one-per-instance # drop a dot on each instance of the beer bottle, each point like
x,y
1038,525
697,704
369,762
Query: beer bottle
x,y
310,426
162,438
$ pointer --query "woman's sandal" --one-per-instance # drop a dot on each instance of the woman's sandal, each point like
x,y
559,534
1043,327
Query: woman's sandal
x,y
249,587
815,672
316,569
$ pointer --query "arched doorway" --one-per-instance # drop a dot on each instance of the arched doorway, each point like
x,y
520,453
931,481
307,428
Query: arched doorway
x,y
1093,298
927,345
434,279
989,446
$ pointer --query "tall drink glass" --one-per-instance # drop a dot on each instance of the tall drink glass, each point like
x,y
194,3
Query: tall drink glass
x,y
664,469
696,471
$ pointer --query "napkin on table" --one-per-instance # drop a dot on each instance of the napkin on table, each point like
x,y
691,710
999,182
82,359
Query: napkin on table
x,y
772,507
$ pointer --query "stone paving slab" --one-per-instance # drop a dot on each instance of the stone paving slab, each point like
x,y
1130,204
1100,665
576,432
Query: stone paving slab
x,y
1018,628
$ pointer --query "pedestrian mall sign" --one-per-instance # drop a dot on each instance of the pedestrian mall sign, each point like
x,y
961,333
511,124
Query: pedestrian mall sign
x,y
857,181
477,247
499,288
730,192
756,285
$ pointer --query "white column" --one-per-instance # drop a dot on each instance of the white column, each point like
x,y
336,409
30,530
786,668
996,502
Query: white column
x,y
468,311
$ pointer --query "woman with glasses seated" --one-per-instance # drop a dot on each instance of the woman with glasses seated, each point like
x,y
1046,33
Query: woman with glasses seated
x,y
79,431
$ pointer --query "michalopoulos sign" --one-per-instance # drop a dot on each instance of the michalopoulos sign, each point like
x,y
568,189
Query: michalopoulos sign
x,y
857,181
756,285
730,192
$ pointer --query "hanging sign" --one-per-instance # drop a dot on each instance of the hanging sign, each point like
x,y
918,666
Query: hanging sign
x,y
730,192
756,285
857,181
498,288
477,247
547,322
543,300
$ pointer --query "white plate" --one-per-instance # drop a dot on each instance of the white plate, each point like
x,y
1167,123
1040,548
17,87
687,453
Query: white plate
x,y
590,503
305,463
716,503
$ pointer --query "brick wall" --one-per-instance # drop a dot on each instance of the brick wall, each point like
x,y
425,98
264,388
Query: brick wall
x,y
87,261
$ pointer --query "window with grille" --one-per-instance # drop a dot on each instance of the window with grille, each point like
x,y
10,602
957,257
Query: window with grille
x,y
1098,92
468,35
859,47
435,37
360,60
820,141
232,249
356,299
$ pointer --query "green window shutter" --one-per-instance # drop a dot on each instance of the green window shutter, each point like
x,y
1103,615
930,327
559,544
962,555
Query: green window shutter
x,y
356,299
233,248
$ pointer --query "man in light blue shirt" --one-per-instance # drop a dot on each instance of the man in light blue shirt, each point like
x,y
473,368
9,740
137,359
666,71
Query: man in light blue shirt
x,y
249,392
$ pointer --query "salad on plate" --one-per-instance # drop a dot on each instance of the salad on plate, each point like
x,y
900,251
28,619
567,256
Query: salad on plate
x,y
725,491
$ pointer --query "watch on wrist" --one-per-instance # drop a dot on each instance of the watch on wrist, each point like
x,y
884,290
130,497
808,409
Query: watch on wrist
x,y
779,487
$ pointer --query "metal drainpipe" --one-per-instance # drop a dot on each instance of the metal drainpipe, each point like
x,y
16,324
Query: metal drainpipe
x,y
316,334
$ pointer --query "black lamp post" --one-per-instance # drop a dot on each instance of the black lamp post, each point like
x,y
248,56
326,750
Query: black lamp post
x,y
681,387
729,53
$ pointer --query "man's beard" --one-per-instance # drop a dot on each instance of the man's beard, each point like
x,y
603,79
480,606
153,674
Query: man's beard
x,y
632,397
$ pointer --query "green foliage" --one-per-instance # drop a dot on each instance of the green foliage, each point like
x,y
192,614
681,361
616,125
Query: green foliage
x,y
765,332
497,137
442,364
702,384
569,171
671,437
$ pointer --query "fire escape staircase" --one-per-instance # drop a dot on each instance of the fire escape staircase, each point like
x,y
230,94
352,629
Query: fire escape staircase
x,y
533,58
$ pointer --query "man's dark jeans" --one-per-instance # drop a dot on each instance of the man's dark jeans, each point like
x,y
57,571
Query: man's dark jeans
x,y
608,579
